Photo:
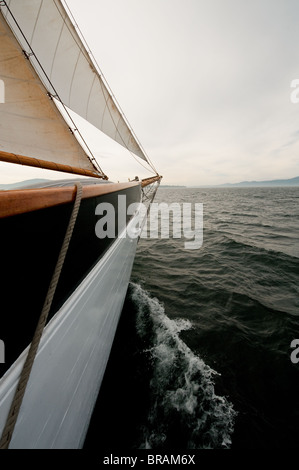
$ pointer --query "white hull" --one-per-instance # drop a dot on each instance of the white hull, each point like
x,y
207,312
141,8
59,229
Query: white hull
x,y
72,357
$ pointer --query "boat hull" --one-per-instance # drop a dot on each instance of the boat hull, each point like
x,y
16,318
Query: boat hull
x,y
72,356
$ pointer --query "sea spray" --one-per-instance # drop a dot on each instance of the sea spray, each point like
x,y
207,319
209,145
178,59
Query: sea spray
x,y
184,410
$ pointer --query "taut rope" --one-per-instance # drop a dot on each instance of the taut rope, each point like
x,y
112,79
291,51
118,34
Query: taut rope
x,y
25,373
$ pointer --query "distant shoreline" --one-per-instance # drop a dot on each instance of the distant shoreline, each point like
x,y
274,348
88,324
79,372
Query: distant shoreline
x,y
173,186
280,182
291,182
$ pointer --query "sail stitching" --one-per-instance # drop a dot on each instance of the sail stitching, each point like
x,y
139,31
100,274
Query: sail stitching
x,y
55,95
89,96
101,77
109,98
73,76
103,87
38,14
56,48
125,144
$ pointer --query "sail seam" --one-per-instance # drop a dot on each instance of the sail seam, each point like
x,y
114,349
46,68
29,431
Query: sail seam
x,y
57,45
89,96
73,76
113,120
102,80
36,20
45,76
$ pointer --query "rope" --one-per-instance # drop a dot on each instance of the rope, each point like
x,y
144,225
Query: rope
x,y
25,373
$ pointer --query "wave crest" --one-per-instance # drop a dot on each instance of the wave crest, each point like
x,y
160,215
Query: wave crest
x,y
184,410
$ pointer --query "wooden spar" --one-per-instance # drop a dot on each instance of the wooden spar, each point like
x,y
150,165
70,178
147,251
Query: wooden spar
x,y
29,161
147,181
20,201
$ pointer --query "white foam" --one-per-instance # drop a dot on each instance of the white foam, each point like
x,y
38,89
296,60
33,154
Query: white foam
x,y
182,387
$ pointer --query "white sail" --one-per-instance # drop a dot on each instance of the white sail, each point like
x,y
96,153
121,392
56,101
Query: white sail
x,y
60,58
30,124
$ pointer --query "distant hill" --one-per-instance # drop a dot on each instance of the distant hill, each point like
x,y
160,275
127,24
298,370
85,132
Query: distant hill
x,y
20,184
282,182
171,186
248,184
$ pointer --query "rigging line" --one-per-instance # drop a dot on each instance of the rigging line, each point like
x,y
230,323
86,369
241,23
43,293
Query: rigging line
x,y
131,152
33,348
55,95
103,82
152,196
138,161
100,73
152,189
102,77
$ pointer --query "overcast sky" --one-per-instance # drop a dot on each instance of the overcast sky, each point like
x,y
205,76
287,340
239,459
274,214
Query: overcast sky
x,y
205,84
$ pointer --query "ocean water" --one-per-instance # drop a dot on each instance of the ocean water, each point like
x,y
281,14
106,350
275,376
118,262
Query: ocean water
x,y
202,354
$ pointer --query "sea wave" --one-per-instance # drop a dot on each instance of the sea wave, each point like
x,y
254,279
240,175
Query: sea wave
x,y
185,411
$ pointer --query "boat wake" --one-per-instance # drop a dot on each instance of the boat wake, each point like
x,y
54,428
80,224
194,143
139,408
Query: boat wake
x,y
184,411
